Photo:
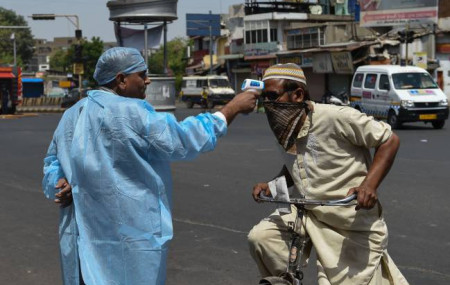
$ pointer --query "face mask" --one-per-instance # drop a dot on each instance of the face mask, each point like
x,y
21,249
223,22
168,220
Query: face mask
x,y
285,121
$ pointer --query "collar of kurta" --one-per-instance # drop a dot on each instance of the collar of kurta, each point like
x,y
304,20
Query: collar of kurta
x,y
304,130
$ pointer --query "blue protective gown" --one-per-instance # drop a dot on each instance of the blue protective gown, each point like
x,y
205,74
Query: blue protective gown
x,y
116,153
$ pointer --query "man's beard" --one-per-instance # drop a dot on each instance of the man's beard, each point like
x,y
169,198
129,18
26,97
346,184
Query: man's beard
x,y
285,120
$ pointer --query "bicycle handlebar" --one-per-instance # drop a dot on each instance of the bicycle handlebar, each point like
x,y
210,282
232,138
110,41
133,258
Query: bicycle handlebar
x,y
303,202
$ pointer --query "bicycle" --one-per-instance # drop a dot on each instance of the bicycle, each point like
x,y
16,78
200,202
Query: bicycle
x,y
294,273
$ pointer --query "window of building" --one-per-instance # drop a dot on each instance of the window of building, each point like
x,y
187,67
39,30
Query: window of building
x,y
305,38
273,35
258,32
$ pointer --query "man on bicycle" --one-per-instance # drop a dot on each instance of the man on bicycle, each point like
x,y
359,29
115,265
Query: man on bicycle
x,y
327,151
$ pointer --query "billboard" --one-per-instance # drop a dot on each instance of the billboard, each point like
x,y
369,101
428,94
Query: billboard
x,y
199,24
397,12
342,62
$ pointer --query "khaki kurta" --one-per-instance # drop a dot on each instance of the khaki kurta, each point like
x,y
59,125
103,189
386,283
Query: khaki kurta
x,y
333,155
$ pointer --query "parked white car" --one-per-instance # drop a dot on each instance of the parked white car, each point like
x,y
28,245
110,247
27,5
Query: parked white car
x,y
57,92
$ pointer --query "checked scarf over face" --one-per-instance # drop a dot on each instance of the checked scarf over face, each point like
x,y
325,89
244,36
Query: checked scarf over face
x,y
285,120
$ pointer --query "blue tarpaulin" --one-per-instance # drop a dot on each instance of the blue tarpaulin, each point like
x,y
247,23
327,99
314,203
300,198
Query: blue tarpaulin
x,y
33,87
32,80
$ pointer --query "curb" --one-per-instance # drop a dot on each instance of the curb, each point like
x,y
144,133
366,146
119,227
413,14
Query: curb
x,y
43,109
17,116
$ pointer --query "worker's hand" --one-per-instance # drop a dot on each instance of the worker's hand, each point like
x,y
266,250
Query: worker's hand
x,y
367,196
64,196
246,101
258,188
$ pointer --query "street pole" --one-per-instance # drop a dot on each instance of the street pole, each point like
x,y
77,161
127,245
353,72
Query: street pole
x,y
145,44
165,48
14,48
80,76
76,23
210,47
406,42
13,37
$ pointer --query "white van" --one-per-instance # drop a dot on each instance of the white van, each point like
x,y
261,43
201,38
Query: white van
x,y
218,88
399,94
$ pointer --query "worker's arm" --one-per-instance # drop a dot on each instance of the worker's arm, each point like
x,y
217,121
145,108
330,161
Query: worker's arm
x,y
54,183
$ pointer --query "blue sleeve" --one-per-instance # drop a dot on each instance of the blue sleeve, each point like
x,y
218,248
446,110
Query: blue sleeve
x,y
52,172
173,140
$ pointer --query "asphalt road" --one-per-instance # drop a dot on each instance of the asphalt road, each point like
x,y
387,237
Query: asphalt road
x,y
213,209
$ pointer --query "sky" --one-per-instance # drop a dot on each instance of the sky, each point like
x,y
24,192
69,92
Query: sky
x,y
93,16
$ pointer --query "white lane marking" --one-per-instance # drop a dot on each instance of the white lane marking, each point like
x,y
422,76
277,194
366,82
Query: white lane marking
x,y
208,225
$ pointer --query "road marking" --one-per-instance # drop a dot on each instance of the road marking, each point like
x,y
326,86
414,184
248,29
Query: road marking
x,y
184,221
423,270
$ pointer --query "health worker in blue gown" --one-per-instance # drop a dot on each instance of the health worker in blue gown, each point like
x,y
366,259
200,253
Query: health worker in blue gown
x,y
108,164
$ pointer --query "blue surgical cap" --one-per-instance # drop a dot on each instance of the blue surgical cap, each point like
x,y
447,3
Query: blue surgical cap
x,y
118,60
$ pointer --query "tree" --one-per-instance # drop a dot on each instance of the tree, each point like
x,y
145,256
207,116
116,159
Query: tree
x,y
91,52
24,39
176,54
62,60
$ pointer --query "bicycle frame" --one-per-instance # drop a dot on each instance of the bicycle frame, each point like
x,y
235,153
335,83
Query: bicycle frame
x,y
294,273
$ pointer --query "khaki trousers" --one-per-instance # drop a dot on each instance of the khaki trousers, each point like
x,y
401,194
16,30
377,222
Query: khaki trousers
x,y
268,242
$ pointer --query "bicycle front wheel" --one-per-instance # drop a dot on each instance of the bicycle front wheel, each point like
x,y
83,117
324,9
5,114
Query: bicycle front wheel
x,y
272,280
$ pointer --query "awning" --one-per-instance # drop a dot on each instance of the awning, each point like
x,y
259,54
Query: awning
x,y
231,56
350,46
6,75
260,57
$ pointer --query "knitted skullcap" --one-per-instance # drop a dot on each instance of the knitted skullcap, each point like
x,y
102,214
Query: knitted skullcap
x,y
289,71
118,60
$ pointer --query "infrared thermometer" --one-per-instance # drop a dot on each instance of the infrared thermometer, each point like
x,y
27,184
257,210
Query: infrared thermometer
x,y
251,84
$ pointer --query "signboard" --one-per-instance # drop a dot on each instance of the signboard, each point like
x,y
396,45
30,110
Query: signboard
x,y
303,60
78,68
397,12
443,48
307,60
260,48
200,24
65,84
420,59
322,63
260,67
161,93
342,62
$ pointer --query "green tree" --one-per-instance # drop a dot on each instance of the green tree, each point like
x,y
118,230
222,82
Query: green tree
x,y
176,54
91,52
24,39
62,60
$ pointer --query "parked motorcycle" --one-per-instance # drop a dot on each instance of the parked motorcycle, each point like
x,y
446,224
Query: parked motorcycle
x,y
340,99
